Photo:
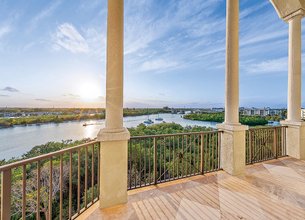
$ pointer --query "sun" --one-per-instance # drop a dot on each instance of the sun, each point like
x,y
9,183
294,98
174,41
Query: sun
x,y
89,92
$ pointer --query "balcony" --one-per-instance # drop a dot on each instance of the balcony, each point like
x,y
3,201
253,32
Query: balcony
x,y
183,176
166,175
265,192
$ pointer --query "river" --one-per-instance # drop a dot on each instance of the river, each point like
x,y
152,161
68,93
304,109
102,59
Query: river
x,y
18,140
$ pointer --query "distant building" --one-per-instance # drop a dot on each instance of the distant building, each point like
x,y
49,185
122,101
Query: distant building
x,y
218,109
255,111
275,112
303,113
260,111
197,111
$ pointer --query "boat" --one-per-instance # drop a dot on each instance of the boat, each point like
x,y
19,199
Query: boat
x,y
86,124
148,122
159,119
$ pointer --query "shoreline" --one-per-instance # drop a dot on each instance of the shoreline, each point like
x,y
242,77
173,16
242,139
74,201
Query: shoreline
x,y
95,117
251,121
45,123
24,136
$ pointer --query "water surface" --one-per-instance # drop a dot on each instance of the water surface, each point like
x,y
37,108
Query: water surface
x,y
18,140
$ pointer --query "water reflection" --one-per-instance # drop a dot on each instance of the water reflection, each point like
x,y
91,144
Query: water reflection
x,y
20,139
89,130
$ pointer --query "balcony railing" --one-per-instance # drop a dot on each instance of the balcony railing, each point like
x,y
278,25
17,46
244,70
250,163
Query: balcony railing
x,y
60,185
265,143
65,183
161,158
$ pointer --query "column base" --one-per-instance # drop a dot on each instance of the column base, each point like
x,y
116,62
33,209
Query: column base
x,y
233,148
113,167
295,139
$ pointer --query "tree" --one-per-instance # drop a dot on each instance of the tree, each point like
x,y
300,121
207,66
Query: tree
x,y
31,190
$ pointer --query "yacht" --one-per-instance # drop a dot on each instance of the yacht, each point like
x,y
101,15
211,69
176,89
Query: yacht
x,y
159,118
148,122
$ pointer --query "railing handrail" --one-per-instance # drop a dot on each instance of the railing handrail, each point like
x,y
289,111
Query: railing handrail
x,y
265,143
74,148
175,134
44,156
267,127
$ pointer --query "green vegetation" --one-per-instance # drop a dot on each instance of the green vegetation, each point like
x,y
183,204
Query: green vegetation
x,y
64,115
164,128
31,180
140,130
141,111
219,117
274,118
63,110
177,156
139,151
8,122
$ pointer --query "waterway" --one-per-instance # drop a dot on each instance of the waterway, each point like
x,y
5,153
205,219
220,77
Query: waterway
x,y
18,140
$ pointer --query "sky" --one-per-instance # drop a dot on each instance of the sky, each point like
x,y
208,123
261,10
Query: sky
x,y
53,53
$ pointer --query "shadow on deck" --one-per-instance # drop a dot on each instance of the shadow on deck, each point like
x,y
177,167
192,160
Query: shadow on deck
x,y
269,190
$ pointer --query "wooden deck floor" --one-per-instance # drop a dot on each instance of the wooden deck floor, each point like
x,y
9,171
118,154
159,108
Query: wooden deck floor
x,y
269,190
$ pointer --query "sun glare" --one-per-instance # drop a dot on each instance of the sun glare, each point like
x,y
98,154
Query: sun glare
x,y
89,92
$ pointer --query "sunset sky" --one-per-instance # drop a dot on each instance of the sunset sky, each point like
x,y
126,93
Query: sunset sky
x,y
52,53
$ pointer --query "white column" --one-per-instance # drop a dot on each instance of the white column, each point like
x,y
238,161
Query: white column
x,y
294,70
233,136
295,135
114,137
114,74
232,63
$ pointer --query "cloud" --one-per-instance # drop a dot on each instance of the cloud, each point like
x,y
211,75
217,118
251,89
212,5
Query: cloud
x,y
150,103
250,10
10,89
4,95
4,30
47,12
217,50
67,37
96,41
170,35
70,95
90,5
262,37
158,64
43,100
279,65
29,45
174,37
101,98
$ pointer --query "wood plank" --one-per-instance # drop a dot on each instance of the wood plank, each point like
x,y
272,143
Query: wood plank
x,y
219,195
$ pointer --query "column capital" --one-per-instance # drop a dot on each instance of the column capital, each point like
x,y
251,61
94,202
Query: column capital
x,y
289,9
299,13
